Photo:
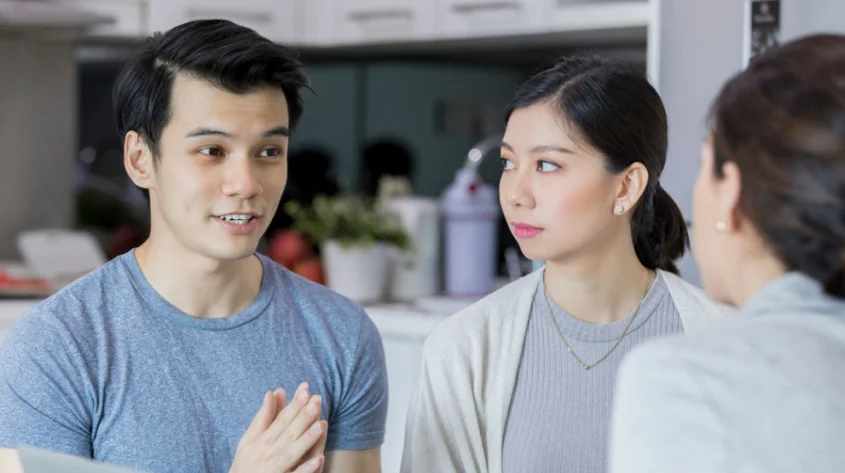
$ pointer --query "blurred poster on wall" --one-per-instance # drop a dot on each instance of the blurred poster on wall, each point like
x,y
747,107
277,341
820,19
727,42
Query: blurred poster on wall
x,y
762,27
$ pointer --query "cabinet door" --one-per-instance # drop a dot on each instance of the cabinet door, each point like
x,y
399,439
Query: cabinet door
x,y
129,17
403,357
357,21
466,18
277,20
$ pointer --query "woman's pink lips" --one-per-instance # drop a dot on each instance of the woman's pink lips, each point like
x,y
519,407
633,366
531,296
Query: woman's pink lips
x,y
523,230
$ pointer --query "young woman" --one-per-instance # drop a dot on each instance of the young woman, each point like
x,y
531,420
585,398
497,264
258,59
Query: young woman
x,y
523,379
764,391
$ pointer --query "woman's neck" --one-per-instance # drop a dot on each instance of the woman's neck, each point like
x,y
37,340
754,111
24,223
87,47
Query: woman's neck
x,y
599,290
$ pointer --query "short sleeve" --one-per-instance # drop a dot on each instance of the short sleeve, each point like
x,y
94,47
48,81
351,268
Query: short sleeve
x,y
43,401
358,423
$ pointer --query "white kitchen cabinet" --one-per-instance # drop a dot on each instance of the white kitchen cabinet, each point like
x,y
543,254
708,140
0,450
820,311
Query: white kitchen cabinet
x,y
490,18
347,22
278,20
129,17
599,15
403,334
467,18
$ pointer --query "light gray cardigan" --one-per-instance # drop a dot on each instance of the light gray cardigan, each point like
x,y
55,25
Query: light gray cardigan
x,y
457,415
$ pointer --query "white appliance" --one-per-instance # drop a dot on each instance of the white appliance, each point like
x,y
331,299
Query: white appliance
x,y
471,211
416,270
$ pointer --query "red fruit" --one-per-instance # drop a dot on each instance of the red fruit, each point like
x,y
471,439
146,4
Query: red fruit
x,y
124,239
311,269
288,247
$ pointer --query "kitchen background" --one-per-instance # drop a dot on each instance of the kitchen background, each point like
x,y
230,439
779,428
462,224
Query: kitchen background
x,y
403,87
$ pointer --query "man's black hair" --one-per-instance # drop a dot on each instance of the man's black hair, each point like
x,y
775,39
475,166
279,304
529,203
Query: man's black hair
x,y
221,52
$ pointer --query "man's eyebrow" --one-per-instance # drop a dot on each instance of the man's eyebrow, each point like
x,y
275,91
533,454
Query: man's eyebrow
x,y
206,131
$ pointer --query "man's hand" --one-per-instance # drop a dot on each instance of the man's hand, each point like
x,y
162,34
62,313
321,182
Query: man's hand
x,y
280,436
320,446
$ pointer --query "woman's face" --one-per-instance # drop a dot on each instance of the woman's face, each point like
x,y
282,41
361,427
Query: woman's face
x,y
714,201
555,191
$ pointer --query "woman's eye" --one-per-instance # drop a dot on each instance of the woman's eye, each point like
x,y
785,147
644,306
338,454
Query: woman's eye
x,y
545,166
507,164
212,151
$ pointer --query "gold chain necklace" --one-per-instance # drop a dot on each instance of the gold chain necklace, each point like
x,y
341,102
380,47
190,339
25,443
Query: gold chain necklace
x,y
630,322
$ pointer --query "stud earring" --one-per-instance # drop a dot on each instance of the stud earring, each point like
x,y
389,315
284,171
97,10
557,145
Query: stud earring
x,y
619,209
721,226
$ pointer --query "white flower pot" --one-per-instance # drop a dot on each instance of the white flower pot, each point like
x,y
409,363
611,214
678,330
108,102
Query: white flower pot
x,y
358,272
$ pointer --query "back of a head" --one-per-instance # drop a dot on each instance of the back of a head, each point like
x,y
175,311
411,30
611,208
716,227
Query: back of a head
x,y
782,122
384,157
221,52
617,112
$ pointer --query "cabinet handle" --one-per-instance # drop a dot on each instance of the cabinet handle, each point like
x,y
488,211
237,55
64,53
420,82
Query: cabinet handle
x,y
246,17
472,7
385,14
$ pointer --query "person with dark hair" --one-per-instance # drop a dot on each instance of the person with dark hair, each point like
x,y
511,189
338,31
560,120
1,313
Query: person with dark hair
x,y
384,157
583,150
762,392
159,360
310,173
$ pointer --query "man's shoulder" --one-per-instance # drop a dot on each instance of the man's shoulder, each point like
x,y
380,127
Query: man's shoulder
x,y
307,292
330,312
75,306
91,288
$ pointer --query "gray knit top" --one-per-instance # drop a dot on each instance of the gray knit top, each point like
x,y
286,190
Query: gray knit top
x,y
559,416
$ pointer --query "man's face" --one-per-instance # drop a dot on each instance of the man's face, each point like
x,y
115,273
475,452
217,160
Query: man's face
x,y
221,170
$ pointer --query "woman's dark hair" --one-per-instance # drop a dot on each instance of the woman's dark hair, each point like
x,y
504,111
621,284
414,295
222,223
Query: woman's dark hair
x,y
616,111
782,122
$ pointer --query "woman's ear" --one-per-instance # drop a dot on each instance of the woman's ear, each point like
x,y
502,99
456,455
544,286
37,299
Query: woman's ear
x,y
631,186
729,190
138,160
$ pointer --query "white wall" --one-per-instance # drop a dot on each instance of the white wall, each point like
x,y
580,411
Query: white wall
x,y
37,137
699,47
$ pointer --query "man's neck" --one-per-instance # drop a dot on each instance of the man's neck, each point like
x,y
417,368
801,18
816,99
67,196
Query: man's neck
x,y
197,285
600,288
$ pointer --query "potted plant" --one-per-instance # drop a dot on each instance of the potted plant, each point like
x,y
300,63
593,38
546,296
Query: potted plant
x,y
357,242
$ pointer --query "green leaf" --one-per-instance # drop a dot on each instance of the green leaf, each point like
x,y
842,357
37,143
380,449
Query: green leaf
x,y
349,219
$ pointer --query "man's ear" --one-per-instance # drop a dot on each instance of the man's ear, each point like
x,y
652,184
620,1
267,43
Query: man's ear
x,y
138,160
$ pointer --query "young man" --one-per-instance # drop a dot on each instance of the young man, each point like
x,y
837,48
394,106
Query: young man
x,y
160,359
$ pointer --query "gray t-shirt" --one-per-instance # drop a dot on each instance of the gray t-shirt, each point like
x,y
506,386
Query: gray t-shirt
x,y
108,369
560,414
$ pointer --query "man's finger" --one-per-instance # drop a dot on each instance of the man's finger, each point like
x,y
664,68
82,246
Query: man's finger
x,y
285,415
281,400
313,465
305,419
320,447
263,418
296,451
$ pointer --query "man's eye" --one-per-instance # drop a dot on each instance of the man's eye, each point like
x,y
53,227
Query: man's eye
x,y
212,151
271,152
